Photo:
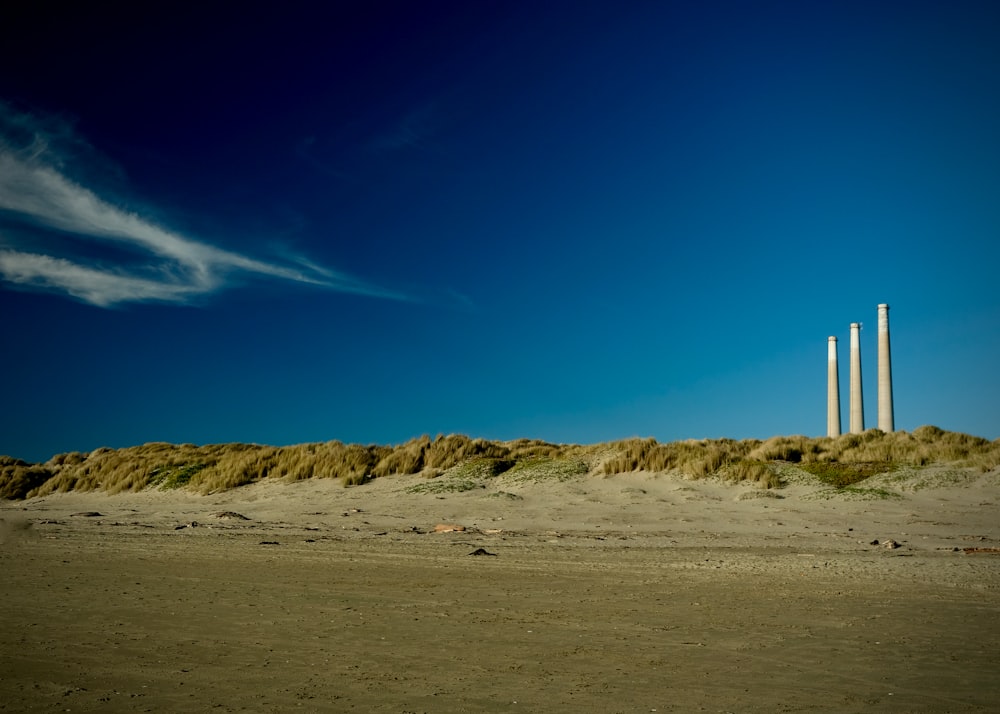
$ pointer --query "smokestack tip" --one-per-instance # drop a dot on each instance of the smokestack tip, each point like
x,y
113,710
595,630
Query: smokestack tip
x,y
855,325
831,338
883,306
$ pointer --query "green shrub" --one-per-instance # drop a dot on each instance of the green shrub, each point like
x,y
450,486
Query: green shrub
x,y
446,485
544,468
842,475
167,477
480,468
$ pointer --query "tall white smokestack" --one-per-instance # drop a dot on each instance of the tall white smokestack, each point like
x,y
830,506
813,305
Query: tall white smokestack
x,y
832,390
885,416
857,405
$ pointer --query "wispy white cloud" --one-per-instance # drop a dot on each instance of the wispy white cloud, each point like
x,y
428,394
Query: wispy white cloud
x,y
100,287
34,190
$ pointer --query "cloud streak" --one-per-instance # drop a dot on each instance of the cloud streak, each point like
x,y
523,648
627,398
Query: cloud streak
x,y
34,191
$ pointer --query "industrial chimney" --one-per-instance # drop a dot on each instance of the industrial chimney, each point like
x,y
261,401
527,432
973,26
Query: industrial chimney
x,y
857,405
885,416
832,391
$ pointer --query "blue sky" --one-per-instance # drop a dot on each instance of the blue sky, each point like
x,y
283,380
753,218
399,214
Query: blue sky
x,y
574,221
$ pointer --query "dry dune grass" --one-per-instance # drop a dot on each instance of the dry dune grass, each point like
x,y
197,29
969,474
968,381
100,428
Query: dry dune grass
x,y
925,445
18,478
212,468
219,467
839,461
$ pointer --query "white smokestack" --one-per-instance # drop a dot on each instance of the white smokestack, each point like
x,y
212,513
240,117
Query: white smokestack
x,y
857,404
832,390
885,416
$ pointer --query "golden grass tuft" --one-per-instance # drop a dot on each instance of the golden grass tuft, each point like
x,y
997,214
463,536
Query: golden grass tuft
x,y
758,473
18,478
692,458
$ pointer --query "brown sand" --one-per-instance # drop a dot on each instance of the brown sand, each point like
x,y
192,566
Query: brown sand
x,y
634,593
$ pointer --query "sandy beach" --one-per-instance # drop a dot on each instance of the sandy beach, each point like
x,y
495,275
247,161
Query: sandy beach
x,y
629,593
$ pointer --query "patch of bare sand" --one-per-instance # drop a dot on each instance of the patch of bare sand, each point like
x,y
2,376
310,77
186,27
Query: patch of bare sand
x,y
629,593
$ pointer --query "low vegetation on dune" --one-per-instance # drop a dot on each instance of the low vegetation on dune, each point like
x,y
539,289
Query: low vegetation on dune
x,y
458,463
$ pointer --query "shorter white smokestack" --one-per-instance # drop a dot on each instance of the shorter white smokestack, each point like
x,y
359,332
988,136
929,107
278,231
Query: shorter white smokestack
x,y
857,404
832,390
